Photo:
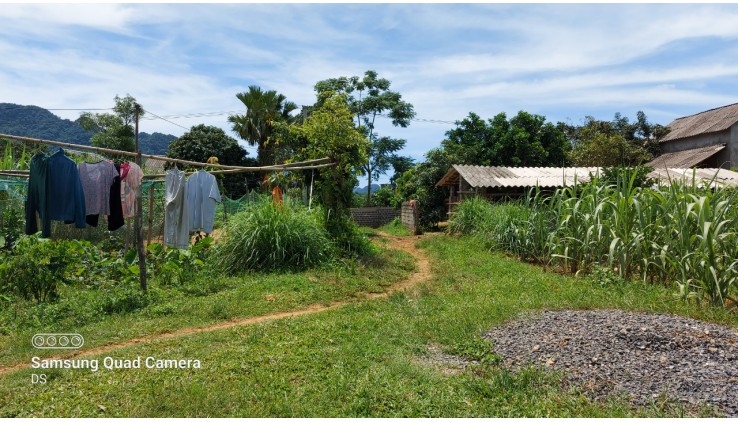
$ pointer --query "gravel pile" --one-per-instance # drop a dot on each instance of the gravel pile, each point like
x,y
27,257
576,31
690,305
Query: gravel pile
x,y
644,355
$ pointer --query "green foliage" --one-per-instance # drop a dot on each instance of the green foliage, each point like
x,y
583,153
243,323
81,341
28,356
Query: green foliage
x,y
202,142
113,130
419,183
395,228
177,266
12,221
679,235
612,175
348,238
264,110
36,267
272,237
617,143
386,197
330,132
524,140
367,97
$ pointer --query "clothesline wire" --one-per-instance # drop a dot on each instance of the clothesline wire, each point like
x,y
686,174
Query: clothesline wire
x,y
303,164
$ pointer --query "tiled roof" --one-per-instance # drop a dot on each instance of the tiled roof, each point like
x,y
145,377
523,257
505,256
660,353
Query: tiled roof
x,y
687,158
715,120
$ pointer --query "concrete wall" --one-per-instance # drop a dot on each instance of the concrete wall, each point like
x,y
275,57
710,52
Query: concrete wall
x,y
726,158
374,216
410,217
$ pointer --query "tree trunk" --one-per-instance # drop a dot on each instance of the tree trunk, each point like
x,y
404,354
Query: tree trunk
x,y
369,190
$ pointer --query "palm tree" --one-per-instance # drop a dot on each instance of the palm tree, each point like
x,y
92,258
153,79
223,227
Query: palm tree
x,y
263,109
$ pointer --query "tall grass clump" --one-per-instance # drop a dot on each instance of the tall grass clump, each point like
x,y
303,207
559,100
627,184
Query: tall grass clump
x,y
268,237
679,234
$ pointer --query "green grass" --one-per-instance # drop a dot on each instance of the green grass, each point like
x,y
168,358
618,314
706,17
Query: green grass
x,y
206,301
369,358
395,228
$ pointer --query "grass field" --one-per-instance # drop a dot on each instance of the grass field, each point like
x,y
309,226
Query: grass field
x,y
368,358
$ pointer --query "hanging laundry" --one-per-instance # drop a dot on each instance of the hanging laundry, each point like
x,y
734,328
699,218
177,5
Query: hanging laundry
x,y
96,180
202,196
65,198
131,177
124,170
36,198
115,218
176,219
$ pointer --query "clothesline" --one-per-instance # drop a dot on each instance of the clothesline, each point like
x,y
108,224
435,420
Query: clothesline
x,y
302,165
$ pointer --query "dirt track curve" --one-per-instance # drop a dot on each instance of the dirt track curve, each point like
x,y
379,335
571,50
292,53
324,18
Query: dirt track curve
x,y
406,243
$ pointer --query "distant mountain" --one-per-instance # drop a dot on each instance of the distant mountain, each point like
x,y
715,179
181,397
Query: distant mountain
x,y
363,188
155,143
37,122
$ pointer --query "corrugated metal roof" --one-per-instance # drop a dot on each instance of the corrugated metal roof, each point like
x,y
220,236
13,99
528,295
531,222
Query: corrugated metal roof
x,y
496,177
715,120
554,177
713,177
686,159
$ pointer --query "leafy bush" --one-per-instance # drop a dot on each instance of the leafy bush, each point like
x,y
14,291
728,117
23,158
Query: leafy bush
x,y
348,238
269,237
681,234
170,265
12,221
36,266
386,197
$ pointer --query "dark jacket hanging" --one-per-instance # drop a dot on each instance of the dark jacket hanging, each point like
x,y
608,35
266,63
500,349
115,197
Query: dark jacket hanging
x,y
36,199
65,198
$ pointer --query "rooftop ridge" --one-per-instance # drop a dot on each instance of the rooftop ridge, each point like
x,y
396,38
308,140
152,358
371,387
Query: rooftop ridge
x,y
705,111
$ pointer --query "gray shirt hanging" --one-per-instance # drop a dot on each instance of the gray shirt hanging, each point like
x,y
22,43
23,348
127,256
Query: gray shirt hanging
x,y
202,197
176,221
96,180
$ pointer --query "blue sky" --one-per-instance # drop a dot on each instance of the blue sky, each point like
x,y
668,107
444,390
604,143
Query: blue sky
x,y
561,61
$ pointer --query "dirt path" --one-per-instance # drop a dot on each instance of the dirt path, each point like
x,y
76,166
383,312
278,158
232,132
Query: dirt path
x,y
406,244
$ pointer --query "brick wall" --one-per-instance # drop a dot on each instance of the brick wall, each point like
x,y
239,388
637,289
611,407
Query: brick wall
x,y
374,216
409,216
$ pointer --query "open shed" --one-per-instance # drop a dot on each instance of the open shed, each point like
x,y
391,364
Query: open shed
x,y
491,183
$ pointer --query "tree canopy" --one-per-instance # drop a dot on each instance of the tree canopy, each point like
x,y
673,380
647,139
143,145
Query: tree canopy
x,y
615,143
113,130
264,109
202,142
368,97
524,140
330,132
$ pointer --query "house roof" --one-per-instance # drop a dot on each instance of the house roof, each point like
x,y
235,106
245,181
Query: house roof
x,y
685,159
712,176
554,177
494,177
714,120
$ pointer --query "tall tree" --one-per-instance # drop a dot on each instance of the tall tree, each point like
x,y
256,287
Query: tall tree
x,y
263,110
524,140
112,130
330,132
615,143
368,97
202,142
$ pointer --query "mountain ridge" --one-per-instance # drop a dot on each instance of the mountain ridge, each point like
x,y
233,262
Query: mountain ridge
x,y
37,122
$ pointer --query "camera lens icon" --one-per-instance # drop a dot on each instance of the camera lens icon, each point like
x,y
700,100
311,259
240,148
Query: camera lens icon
x,y
58,341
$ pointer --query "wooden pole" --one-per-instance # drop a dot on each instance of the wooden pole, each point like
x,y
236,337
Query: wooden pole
x,y
139,155
151,213
139,215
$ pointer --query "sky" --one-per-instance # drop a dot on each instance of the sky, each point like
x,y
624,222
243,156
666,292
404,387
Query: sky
x,y
562,61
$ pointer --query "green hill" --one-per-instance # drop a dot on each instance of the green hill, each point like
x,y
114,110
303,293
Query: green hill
x,y
37,122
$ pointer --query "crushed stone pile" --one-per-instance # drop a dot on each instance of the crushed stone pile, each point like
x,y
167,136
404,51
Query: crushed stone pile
x,y
644,355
